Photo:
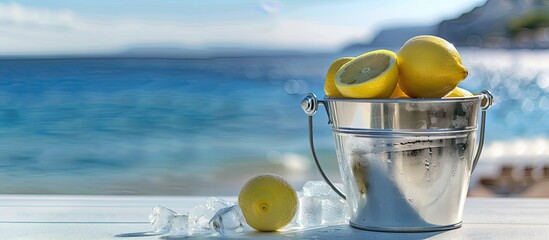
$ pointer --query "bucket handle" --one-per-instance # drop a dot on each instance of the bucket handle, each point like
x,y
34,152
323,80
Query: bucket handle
x,y
310,103
485,103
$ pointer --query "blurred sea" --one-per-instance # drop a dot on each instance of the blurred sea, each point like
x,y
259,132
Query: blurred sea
x,y
204,126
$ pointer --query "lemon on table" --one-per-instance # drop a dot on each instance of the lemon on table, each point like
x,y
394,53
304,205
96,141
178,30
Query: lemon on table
x,y
459,92
268,202
371,75
429,67
329,85
398,93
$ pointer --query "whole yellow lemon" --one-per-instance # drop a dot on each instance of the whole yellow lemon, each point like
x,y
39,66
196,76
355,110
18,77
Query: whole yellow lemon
x,y
398,93
429,67
268,202
459,92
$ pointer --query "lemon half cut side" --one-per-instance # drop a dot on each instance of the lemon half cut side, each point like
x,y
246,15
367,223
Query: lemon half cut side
x,y
370,75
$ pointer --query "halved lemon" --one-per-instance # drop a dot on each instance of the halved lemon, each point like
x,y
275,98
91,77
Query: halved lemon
x,y
329,85
371,75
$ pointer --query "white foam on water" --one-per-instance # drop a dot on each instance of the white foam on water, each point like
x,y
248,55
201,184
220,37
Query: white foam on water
x,y
290,161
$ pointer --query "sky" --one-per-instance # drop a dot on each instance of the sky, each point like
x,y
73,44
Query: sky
x,y
102,26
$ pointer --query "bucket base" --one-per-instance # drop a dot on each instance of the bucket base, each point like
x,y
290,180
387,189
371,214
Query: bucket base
x,y
406,229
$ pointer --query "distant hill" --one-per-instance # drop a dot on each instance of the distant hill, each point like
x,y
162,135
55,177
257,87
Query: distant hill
x,y
160,51
495,24
394,37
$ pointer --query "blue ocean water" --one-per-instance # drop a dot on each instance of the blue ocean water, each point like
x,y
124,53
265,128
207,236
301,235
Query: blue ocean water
x,y
198,126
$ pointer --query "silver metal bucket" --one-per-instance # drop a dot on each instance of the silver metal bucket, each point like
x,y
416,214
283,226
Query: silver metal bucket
x,y
405,163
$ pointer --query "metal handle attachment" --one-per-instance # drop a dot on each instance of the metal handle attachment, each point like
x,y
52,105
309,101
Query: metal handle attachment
x,y
310,106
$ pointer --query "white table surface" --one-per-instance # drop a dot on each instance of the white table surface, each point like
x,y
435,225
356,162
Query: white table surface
x,y
126,218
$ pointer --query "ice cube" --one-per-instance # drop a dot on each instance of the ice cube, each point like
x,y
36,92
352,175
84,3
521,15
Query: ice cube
x,y
310,211
320,189
161,219
334,211
200,216
215,203
228,221
180,225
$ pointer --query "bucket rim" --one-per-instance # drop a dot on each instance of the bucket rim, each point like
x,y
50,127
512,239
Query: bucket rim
x,y
406,100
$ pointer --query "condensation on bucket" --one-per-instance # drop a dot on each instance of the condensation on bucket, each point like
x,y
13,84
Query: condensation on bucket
x,y
406,164
406,182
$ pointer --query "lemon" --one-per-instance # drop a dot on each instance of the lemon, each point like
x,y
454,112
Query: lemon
x,y
329,85
429,67
371,75
268,202
398,93
459,92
